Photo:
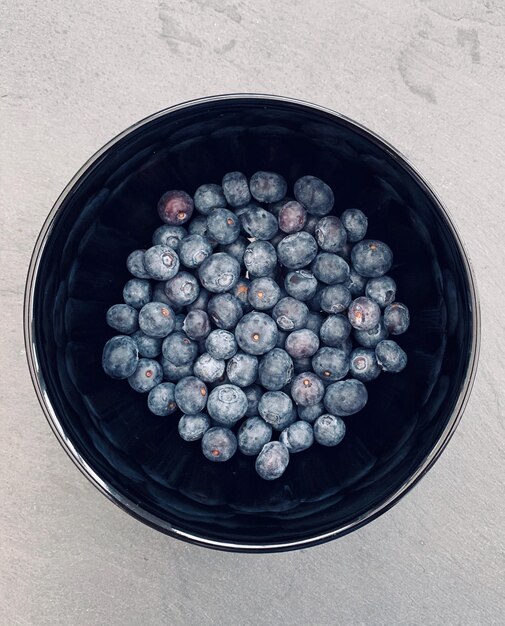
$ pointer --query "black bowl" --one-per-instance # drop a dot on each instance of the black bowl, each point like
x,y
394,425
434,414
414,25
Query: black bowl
x,y
137,459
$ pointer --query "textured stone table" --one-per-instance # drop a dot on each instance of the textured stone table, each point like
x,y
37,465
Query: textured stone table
x,y
429,76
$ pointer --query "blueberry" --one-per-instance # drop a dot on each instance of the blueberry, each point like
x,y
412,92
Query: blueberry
x,y
236,249
302,343
253,434
196,325
275,369
221,344
355,223
198,226
260,258
307,389
300,284
364,313
161,262
175,207
179,348
314,303
201,303
264,293
275,207
123,317
156,319
330,364
193,250
311,412
259,223
149,347
219,444
182,289
314,194
120,357
311,224
208,197
225,310
256,333
235,189
330,268
272,461
193,427
346,345
297,437
253,394
396,318
390,356
371,258
179,321
297,250
292,217
135,264
267,186
370,338
345,397
191,395
356,283
345,252
335,330
382,290
290,314
208,369
329,430
335,298
219,273
137,292
281,339
242,369
241,292
303,364
161,399
223,226
276,408
314,322
147,375
174,373
363,365
330,234
159,294
227,404
171,236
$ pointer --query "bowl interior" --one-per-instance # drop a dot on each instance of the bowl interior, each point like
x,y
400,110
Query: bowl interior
x,y
111,210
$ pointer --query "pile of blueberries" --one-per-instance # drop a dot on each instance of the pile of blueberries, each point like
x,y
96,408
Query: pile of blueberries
x,y
250,311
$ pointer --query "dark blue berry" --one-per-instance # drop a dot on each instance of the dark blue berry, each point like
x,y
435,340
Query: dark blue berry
x,y
311,412
219,273
253,394
302,343
241,292
191,395
120,357
236,249
290,314
314,322
356,283
208,369
356,223
147,375
221,344
370,338
390,356
297,250
196,325
179,348
137,292
123,317
363,365
330,234
193,427
311,224
219,444
335,298
267,186
223,226
201,302
156,319
227,404
275,207
307,389
161,399
171,236
334,330
259,223
297,437
300,284
256,333
225,310
314,194
159,294
330,268
174,373
182,289
175,207
276,408
382,290
272,461
364,313
345,397
198,226
275,369
292,217
161,262
135,264
371,258
264,293
193,250
242,369
208,197
329,430
302,365
253,434
235,189
330,364
260,258
149,347
396,318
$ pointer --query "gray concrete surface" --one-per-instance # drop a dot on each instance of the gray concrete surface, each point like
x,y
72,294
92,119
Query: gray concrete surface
x,y
429,76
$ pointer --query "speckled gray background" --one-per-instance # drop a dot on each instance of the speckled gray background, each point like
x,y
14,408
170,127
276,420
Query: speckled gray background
x,y
427,75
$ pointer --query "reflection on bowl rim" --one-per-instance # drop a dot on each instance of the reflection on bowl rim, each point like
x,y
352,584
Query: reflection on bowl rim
x,y
131,507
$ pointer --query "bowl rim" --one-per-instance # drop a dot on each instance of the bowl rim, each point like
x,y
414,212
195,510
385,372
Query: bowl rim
x,y
133,508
